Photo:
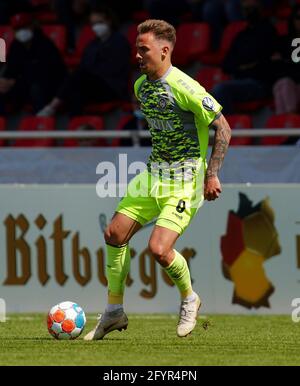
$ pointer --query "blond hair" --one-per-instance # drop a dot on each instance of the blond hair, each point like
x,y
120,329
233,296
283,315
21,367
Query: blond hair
x,y
160,29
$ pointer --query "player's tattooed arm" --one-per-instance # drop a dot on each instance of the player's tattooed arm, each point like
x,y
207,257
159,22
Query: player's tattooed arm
x,y
220,145
212,186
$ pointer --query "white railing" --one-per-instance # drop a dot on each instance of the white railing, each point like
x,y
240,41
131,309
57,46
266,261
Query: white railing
x,y
137,133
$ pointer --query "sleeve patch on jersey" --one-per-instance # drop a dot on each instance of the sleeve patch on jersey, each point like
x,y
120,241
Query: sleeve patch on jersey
x,y
208,104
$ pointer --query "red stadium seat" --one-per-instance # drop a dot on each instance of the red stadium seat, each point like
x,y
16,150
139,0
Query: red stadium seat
x,y
283,11
39,3
193,40
131,34
229,34
36,124
58,34
2,128
282,27
86,35
210,76
76,122
102,108
280,122
240,121
140,16
7,33
46,17
251,106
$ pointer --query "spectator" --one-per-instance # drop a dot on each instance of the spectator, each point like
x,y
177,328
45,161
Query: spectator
x,y
248,61
103,73
73,14
12,7
123,13
286,89
34,68
162,9
217,13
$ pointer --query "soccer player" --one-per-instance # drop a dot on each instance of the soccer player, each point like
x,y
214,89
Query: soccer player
x,y
177,180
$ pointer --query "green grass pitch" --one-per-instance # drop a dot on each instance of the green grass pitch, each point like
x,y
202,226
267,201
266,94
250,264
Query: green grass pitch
x,y
151,340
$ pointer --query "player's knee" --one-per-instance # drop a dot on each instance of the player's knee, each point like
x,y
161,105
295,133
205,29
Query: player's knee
x,y
113,237
159,251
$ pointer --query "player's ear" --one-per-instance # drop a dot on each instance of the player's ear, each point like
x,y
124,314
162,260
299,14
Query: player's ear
x,y
164,52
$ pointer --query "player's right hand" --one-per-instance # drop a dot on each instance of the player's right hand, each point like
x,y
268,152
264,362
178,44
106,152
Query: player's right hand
x,y
212,188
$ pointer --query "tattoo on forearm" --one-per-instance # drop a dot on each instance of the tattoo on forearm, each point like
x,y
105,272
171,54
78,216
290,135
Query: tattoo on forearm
x,y
220,146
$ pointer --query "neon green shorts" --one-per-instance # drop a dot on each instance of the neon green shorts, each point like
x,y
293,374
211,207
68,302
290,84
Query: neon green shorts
x,y
173,203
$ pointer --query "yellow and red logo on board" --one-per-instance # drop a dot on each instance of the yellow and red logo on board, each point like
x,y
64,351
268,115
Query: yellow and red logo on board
x,y
251,238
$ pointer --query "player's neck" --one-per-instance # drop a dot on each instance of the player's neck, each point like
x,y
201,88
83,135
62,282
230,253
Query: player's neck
x,y
160,73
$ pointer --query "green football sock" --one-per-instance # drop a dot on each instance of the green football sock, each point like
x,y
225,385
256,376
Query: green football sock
x,y
117,268
179,273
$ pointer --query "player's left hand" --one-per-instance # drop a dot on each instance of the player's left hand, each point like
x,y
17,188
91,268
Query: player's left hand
x,y
212,188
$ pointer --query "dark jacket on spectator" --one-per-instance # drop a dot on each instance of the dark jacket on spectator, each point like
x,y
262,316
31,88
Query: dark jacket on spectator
x,y
109,61
40,63
250,53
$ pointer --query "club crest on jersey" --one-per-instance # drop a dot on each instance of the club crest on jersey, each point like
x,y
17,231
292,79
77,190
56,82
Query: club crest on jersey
x,y
162,103
208,104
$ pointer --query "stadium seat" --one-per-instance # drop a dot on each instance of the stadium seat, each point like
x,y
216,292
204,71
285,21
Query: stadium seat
x,y
140,16
76,122
209,77
7,34
252,106
280,122
39,3
229,34
131,34
33,123
2,128
193,40
283,12
46,17
58,34
107,107
86,35
240,121
281,27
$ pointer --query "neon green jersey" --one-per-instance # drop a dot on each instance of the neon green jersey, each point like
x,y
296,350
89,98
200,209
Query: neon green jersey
x,y
178,111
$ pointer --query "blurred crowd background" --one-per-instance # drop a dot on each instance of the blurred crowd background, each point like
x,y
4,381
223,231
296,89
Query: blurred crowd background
x,y
71,64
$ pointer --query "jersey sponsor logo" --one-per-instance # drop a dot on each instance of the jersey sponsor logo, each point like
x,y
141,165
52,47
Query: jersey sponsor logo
x,y
159,124
208,104
162,103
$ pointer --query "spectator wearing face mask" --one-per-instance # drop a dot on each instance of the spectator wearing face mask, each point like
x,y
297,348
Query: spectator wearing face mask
x,y
103,73
34,68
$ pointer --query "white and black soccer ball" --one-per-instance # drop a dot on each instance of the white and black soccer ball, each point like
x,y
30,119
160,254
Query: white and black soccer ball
x,y
66,320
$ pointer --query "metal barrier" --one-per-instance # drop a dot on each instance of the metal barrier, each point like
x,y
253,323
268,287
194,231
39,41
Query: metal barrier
x,y
137,133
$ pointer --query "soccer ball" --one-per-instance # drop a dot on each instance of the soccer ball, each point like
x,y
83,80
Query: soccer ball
x,y
66,320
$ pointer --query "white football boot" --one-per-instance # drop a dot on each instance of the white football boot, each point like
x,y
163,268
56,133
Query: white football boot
x,y
188,316
109,321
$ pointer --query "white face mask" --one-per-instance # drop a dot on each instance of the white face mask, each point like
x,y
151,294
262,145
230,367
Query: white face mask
x,y
24,35
101,30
